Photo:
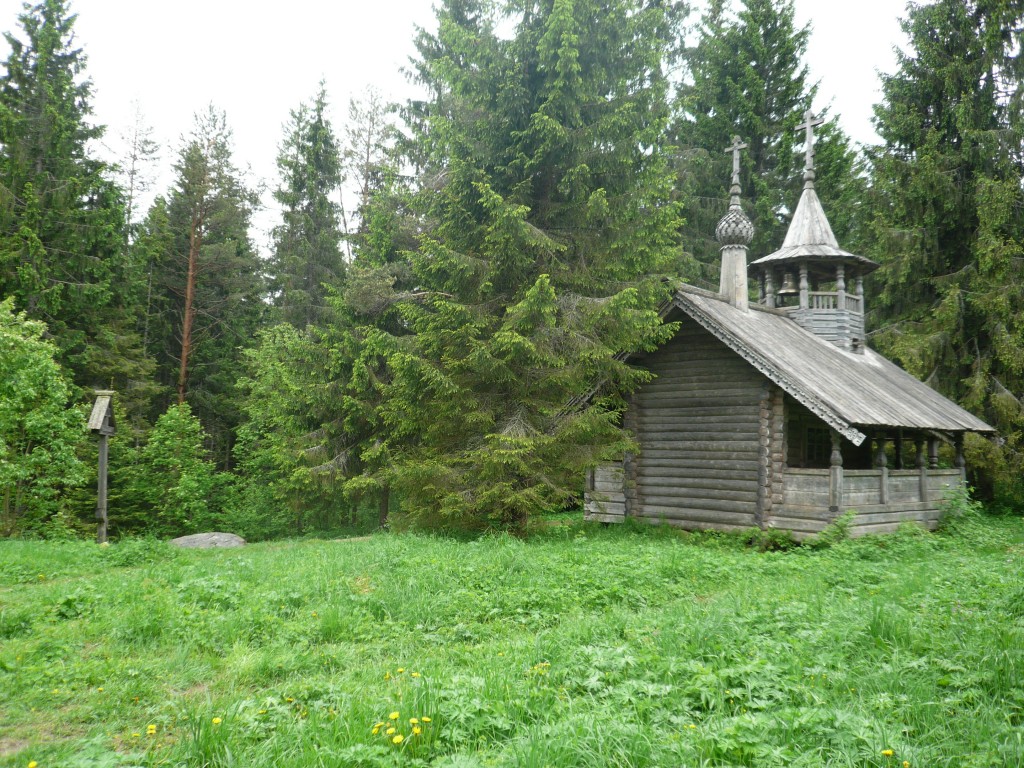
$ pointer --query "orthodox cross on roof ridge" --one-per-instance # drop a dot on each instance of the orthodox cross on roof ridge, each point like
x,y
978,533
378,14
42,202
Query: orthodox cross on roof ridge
x,y
808,125
734,148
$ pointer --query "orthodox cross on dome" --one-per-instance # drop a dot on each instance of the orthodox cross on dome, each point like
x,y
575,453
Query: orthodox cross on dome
x,y
737,145
809,124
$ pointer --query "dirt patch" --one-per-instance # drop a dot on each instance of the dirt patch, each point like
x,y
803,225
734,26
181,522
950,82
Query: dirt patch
x,y
11,746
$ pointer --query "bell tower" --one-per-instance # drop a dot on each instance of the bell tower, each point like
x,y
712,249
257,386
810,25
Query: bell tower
x,y
820,285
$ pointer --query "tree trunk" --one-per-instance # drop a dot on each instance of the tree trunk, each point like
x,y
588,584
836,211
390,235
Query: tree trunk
x,y
195,242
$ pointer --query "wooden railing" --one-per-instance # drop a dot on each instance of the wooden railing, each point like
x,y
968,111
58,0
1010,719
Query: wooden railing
x,y
830,300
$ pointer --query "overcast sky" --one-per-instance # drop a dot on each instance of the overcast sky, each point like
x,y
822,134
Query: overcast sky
x,y
257,61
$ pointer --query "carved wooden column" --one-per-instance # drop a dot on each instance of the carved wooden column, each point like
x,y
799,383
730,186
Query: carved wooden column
x,y
769,289
958,461
803,286
933,453
898,449
921,460
881,462
835,477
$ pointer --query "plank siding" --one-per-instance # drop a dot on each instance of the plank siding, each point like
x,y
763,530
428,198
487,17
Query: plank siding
x,y
698,425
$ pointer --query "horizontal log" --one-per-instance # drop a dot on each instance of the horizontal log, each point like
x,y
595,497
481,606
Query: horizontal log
x,y
650,483
654,413
684,384
696,400
798,524
686,408
874,518
800,512
680,503
870,530
609,486
697,516
597,517
670,468
711,447
592,507
679,431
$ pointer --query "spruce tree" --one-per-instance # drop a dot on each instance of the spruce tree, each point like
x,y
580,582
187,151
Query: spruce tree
x,y
307,245
746,76
545,216
61,218
946,216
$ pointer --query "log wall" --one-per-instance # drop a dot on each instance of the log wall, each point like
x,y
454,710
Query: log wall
x,y
701,426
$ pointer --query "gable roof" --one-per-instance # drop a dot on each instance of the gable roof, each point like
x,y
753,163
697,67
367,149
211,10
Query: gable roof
x,y
847,390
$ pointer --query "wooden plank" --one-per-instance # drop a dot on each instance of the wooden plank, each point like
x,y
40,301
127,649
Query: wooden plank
x,y
709,471
652,482
684,435
801,524
597,517
604,508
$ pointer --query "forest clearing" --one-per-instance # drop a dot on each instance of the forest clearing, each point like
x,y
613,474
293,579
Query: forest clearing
x,y
581,646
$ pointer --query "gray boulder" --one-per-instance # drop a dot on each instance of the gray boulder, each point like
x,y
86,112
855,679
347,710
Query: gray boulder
x,y
208,540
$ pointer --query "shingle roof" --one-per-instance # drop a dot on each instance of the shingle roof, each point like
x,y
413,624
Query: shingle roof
x,y
848,390
810,235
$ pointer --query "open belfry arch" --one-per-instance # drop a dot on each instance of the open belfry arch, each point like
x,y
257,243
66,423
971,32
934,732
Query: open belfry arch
x,y
775,414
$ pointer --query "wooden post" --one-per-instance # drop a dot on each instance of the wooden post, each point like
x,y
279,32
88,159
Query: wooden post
x,y
959,461
803,286
922,465
933,453
898,449
883,470
101,422
769,289
101,492
835,477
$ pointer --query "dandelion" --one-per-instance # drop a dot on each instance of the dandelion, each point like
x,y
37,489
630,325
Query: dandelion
x,y
393,716
413,721
391,730
416,731
217,721
136,735
906,764
378,725
416,674
400,670
289,699
32,764
888,752
376,730
151,730
425,719
387,675
397,738
100,689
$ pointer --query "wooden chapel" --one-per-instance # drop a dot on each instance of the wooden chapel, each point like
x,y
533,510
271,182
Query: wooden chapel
x,y
776,414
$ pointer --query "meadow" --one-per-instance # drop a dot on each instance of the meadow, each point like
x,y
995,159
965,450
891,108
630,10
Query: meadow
x,y
580,646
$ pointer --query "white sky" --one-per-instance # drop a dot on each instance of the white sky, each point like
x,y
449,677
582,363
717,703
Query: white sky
x,y
257,61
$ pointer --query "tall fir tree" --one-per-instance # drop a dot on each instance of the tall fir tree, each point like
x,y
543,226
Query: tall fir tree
x,y
746,76
307,257
61,218
545,217
206,302
947,223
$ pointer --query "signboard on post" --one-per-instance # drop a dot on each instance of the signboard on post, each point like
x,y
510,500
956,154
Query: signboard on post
x,y
101,421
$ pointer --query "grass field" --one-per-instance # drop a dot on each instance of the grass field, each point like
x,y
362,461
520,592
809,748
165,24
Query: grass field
x,y
581,646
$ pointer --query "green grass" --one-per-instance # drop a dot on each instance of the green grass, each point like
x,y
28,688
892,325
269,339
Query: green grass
x,y
582,646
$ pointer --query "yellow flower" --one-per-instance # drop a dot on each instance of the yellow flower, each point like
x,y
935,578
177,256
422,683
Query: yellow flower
x,y
416,674
389,731
400,670
887,752
376,730
425,719
136,735
217,721
150,730
32,764
393,716
906,764
378,725
289,699
413,721
100,689
416,731
397,738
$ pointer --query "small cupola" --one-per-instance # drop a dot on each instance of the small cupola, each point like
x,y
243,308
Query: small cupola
x,y
808,277
734,232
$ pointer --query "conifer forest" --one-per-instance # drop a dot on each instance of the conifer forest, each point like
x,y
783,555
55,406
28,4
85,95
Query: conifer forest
x,y
446,351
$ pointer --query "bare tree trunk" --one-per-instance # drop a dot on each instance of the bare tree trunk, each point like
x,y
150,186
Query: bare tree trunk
x,y
195,242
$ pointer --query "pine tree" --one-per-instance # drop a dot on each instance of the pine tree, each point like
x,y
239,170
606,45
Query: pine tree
x,y
947,223
206,302
544,204
61,218
747,77
307,252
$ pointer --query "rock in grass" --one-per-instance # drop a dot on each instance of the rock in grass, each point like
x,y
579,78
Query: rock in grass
x,y
208,540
